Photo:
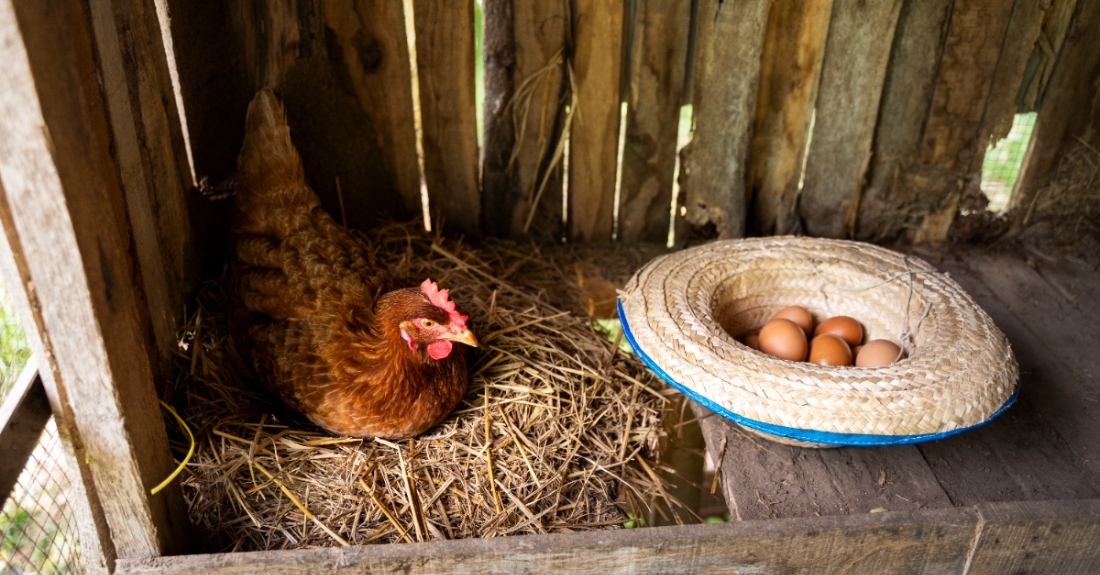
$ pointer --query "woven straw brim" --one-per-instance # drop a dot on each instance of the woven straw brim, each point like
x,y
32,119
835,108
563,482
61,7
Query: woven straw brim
x,y
684,310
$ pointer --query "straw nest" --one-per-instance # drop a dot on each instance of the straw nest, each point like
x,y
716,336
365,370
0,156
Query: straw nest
x,y
683,311
558,430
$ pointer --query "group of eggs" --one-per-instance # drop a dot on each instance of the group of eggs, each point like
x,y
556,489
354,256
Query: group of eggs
x,y
835,341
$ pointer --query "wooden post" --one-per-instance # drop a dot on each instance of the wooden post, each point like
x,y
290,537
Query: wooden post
x,y
856,55
594,137
523,40
789,75
66,206
658,63
24,413
727,67
445,66
152,157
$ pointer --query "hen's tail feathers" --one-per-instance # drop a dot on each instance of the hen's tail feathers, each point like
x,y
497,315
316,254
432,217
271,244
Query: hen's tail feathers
x,y
271,171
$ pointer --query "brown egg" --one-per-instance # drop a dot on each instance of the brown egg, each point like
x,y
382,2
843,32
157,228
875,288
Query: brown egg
x,y
855,350
843,327
877,353
783,339
752,340
798,315
828,349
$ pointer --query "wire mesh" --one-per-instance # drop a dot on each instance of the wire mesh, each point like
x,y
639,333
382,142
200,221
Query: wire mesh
x,y
38,533
1001,167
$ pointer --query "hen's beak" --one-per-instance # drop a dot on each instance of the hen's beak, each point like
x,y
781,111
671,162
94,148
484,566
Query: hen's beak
x,y
466,337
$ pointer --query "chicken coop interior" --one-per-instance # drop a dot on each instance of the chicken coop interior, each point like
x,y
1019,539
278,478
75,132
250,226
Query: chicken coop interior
x,y
530,156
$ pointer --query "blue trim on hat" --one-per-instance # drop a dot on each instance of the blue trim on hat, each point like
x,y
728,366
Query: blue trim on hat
x,y
810,435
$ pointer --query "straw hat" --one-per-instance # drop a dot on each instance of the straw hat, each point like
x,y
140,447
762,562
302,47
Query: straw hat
x,y
681,313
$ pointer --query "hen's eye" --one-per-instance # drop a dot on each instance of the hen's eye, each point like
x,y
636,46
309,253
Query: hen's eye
x,y
427,323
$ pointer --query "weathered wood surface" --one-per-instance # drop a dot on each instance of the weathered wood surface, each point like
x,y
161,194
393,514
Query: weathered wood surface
x,y
594,133
1040,66
931,542
522,40
24,413
342,69
445,68
658,62
97,550
894,187
714,164
1043,448
152,157
66,206
848,98
1054,537
1069,108
761,479
952,142
789,75
1021,38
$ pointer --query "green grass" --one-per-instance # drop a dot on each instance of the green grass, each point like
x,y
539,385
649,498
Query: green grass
x,y
14,350
1001,166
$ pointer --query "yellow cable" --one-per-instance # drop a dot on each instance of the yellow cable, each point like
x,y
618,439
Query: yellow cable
x,y
183,463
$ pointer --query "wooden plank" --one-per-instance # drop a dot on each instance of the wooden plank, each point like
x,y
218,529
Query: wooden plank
x,y
23,415
153,163
341,68
761,479
523,40
1056,21
727,66
788,88
952,142
1054,537
594,133
68,209
445,68
893,191
658,63
96,549
926,542
1062,118
852,78
1022,301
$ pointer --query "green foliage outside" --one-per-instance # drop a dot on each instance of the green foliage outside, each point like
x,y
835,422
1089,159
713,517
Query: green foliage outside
x,y
13,345
1001,166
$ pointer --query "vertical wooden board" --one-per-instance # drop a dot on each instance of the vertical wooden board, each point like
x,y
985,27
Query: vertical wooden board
x,y
952,141
594,134
1052,537
906,101
97,552
1056,22
852,75
445,68
727,66
523,40
1063,111
152,157
68,210
1000,108
658,62
789,74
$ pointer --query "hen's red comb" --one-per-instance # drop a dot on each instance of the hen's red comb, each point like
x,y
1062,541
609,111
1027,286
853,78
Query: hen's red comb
x,y
441,298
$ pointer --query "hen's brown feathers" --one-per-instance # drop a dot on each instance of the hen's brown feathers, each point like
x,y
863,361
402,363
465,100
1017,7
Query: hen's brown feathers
x,y
316,316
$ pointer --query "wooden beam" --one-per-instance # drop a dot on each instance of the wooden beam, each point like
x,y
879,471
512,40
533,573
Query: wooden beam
x,y
445,66
594,135
23,415
893,191
152,157
1047,537
523,40
924,542
66,205
658,58
793,50
1068,110
727,66
852,76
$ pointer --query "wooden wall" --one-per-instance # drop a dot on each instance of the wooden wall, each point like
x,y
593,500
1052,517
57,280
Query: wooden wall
x,y
836,118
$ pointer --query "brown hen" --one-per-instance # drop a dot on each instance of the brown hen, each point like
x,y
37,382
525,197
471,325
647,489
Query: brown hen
x,y
315,315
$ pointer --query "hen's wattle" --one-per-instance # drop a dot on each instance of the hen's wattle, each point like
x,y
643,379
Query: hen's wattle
x,y
318,319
